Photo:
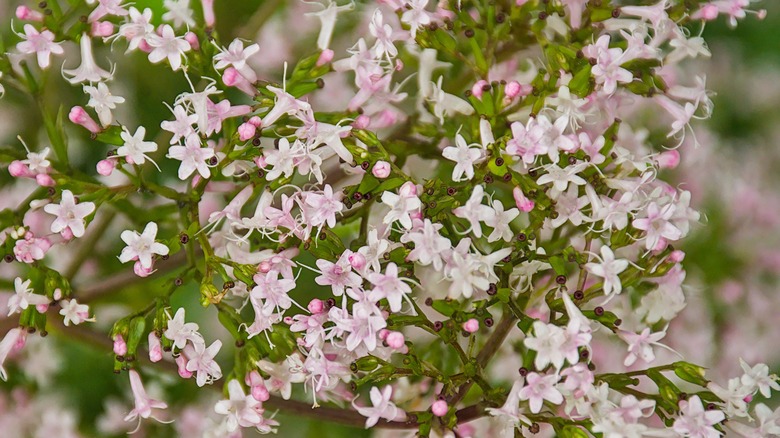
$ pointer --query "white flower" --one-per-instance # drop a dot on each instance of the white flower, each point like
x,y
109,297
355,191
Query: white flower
x,y
73,312
416,16
382,406
236,55
88,71
24,297
402,205
694,421
499,219
179,12
464,157
758,377
69,214
180,332
200,360
40,43
138,28
167,45
142,246
135,148
608,269
181,127
101,99
539,388
192,157
474,211
241,409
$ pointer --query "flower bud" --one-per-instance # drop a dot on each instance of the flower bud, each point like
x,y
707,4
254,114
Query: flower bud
x,y
44,180
382,170
120,346
408,189
439,408
471,326
325,57
191,38
141,271
79,116
106,167
478,88
208,12
523,203
361,122
42,308
264,267
246,131
181,361
27,14
357,260
668,159
66,233
18,169
233,78
255,120
155,348
316,306
676,256
102,29
395,340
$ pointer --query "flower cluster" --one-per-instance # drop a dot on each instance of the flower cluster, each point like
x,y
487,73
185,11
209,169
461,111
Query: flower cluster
x,y
480,192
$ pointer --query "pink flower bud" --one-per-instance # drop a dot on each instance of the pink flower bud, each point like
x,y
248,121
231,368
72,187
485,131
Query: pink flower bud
x,y
471,326
253,378
399,65
260,162
27,14
246,131
57,294
708,12
383,334
257,121
42,308
523,203
208,12
668,159
79,116
408,189
120,346
512,89
361,122
18,169
479,88
181,361
106,167
395,340
439,408
102,29
233,78
325,57
676,256
44,180
145,47
260,393
316,306
141,271
191,38
382,170
155,348
357,260
66,233
264,267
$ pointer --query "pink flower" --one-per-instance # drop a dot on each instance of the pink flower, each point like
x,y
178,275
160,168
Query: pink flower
x,y
539,388
382,407
694,421
241,409
144,405
167,45
69,215
40,43
200,360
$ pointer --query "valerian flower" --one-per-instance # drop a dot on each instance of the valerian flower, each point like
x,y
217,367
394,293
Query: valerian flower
x,y
142,247
69,215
